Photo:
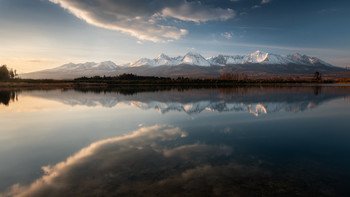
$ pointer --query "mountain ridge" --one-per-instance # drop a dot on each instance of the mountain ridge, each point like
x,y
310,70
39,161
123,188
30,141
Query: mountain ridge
x,y
259,57
194,65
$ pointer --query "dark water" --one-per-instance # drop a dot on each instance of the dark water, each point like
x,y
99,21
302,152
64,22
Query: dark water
x,y
244,141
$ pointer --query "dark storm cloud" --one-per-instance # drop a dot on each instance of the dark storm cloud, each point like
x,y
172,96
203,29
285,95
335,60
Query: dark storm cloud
x,y
144,19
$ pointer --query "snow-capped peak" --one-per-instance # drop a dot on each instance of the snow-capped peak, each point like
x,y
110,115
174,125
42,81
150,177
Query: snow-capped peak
x,y
193,58
106,65
143,62
162,56
257,57
163,59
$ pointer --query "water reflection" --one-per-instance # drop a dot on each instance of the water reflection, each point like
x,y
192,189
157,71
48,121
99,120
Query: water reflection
x,y
213,154
160,161
147,161
254,100
7,96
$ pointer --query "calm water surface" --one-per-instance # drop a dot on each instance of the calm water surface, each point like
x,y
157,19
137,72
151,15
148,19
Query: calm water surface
x,y
244,141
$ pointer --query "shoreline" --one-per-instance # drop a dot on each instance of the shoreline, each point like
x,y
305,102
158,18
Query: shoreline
x,y
43,84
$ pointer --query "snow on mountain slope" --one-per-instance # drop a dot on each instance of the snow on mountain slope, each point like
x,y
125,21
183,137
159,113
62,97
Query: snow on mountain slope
x,y
222,60
306,60
107,65
200,67
267,58
190,58
163,59
195,59
257,57
143,62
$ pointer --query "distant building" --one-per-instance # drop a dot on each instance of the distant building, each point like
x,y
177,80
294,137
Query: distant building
x,y
347,67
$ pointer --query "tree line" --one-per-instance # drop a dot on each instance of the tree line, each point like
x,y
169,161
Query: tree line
x,y
125,76
6,73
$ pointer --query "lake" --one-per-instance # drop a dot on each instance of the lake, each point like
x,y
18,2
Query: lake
x,y
240,141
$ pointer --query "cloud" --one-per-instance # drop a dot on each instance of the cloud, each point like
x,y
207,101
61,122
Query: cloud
x,y
261,3
265,1
196,12
227,35
145,20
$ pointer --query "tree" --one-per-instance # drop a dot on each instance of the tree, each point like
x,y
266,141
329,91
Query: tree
x,y
317,76
12,74
4,73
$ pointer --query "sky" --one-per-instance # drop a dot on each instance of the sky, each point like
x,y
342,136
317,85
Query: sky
x,y
43,34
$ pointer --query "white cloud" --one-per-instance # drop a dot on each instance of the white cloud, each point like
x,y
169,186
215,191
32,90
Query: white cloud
x,y
196,12
261,3
227,35
145,20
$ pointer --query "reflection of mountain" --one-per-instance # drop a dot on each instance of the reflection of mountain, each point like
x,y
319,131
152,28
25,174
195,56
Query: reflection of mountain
x,y
221,106
255,100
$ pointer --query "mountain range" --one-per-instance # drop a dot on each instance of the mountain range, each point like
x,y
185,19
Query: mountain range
x,y
196,66
257,57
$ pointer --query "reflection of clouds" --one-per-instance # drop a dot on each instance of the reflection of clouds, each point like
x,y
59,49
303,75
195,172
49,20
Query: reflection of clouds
x,y
149,160
207,180
187,151
96,160
157,161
